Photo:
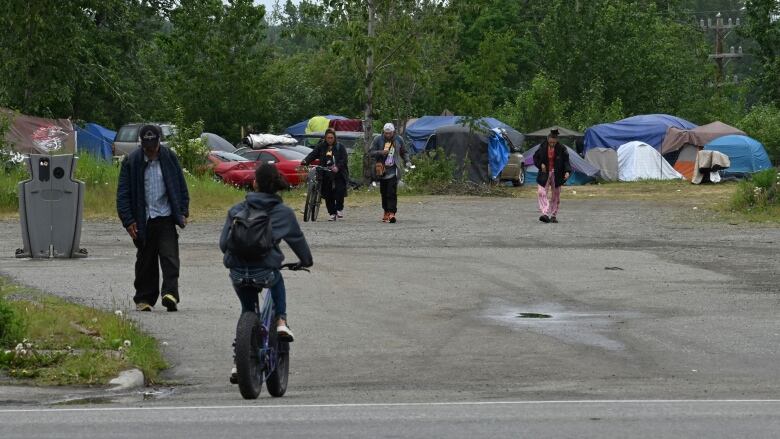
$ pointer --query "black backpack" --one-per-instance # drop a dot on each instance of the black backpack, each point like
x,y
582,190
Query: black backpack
x,y
250,236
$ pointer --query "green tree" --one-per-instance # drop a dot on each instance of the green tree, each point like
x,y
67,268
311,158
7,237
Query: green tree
x,y
762,24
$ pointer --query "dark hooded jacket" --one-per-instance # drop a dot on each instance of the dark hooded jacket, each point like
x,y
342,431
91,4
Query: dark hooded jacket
x,y
560,161
130,192
284,226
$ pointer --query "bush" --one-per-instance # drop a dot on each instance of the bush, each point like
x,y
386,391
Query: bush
x,y
758,193
763,124
11,325
188,145
432,169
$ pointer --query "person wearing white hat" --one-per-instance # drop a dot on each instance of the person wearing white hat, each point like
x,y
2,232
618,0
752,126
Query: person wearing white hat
x,y
387,150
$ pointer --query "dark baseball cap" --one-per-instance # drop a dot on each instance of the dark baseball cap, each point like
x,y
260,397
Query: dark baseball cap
x,y
150,135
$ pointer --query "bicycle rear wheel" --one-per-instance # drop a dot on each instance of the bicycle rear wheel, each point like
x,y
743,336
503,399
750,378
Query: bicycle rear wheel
x,y
250,378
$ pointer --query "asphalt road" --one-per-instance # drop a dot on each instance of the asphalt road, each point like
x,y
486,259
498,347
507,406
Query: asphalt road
x,y
549,419
646,302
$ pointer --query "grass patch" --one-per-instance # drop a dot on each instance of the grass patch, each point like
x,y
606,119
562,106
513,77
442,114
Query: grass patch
x,y
208,198
62,343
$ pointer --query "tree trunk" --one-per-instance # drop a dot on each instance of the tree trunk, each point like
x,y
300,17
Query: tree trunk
x,y
368,121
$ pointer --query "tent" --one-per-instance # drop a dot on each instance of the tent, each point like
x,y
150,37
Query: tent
x,y
606,160
582,171
686,159
649,129
36,135
562,133
95,140
424,127
747,155
640,161
299,128
487,152
676,138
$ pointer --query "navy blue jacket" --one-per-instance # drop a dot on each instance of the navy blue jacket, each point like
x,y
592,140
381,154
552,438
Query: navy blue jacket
x,y
284,226
130,193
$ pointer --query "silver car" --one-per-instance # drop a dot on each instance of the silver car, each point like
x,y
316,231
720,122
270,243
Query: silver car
x,y
127,139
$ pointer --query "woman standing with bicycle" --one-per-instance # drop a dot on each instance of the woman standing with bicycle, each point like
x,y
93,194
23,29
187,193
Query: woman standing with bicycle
x,y
332,155
250,275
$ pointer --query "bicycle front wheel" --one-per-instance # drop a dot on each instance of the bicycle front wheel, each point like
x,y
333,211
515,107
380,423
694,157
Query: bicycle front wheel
x,y
250,379
307,205
277,381
315,204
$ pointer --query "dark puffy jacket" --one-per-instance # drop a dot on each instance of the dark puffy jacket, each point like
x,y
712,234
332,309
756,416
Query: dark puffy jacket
x,y
340,158
284,226
560,160
130,193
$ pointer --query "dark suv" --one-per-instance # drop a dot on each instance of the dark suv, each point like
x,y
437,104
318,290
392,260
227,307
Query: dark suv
x,y
127,139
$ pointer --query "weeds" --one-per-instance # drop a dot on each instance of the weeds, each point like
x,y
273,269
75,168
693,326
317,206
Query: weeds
x,y
64,343
760,193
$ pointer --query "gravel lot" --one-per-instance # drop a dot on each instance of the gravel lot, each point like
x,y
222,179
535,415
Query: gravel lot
x,y
645,301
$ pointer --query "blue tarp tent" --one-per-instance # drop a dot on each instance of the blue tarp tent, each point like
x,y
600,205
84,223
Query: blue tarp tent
x,y
420,130
747,155
582,171
649,128
96,140
299,128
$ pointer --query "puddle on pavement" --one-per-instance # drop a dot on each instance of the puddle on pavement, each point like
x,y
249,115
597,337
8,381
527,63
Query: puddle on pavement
x,y
117,398
87,400
586,327
157,393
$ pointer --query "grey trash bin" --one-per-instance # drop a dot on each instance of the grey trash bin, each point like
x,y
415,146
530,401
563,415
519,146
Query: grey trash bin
x,y
51,203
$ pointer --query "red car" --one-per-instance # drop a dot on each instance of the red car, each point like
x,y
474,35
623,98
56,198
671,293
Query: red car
x,y
232,168
287,162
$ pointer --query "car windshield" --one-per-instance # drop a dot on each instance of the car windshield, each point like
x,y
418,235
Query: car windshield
x,y
230,157
128,134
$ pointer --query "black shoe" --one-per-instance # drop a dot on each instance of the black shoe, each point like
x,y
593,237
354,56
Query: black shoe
x,y
234,376
554,220
169,302
544,219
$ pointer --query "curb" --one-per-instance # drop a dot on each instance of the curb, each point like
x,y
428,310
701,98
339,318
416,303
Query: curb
x,y
128,379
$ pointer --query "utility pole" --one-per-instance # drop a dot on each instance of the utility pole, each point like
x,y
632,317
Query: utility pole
x,y
721,58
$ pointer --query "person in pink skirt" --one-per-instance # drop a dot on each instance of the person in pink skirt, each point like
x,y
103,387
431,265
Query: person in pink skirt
x,y
552,159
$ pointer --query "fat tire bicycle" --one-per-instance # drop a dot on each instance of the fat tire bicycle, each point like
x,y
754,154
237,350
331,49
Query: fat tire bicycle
x,y
311,208
259,353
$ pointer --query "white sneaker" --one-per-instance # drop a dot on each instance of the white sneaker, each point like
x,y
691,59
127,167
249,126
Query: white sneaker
x,y
233,376
340,214
284,333
332,218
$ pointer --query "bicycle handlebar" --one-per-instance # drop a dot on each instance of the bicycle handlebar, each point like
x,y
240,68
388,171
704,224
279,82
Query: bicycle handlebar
x,y
294,266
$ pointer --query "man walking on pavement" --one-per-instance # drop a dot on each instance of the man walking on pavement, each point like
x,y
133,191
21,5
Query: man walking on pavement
x,y
552,159
151,200
387,150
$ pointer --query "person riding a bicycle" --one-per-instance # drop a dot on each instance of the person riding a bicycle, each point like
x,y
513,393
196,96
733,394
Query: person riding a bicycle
x,y
332,155
249,277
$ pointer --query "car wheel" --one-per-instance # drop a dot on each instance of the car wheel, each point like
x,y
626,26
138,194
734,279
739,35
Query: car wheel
x,y
520,178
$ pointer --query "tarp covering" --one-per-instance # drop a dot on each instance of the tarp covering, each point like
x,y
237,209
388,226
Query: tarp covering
x,y
640,161
676,138
582,171
707,166
355,125
36,135
217,143
424,127
562,132
686,161
460,143
650,129
606,160
498,153
299,128
747,155
95,140
257,141
317,124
